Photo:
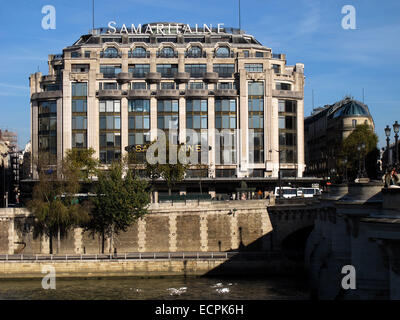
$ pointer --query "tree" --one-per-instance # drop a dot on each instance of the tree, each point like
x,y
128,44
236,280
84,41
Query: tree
x,y
54,201
171,171
82,162
120,200
361,135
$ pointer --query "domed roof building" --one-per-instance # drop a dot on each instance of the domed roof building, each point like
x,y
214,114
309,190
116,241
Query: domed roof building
x,y
326,128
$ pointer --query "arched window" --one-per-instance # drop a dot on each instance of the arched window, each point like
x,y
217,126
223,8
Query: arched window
x,y
194,52
167,52
222,52
110,53
139,52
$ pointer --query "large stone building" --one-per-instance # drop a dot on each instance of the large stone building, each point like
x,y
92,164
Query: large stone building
x,y
112,88
326,128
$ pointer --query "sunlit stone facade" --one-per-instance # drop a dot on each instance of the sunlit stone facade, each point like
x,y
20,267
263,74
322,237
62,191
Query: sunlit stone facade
x,y
112,90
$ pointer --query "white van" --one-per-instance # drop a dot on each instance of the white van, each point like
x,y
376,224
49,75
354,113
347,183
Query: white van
x,y
310,192
287,192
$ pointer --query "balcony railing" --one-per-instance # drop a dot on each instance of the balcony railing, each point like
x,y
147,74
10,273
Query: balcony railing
x,y
161,54
110,75
225,74
230,55
139,74
138,55
168,73
76,55
197,74
195,55
110,55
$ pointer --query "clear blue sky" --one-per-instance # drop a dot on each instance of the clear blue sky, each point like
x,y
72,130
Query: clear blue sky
x,y
337,61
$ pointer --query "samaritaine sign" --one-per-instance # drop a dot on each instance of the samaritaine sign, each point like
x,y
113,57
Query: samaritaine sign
x,y
163,29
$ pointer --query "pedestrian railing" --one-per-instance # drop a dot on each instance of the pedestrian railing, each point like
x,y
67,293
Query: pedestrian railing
x,y
142,256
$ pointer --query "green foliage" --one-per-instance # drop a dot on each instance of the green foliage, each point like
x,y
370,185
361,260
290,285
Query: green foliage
x,y
170,172
119,201
361,135
82,163
53,202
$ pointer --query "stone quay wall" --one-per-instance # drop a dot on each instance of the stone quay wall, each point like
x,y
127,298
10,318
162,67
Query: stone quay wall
x,y
182,227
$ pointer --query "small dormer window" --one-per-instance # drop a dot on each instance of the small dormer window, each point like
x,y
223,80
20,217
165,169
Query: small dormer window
x,y
110,53
139,52
222,52
194,52
167,52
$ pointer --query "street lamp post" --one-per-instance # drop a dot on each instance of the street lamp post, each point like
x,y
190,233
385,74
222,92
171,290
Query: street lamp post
x,y
279,171
396,128
345,170
387,133
361,168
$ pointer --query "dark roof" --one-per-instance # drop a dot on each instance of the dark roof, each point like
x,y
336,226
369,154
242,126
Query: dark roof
x,y
349,107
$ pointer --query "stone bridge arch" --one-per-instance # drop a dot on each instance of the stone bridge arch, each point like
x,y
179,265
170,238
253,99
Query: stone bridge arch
x,y
292,225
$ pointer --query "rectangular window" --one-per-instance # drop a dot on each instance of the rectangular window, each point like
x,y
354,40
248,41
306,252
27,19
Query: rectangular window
x,y
283,86
253,67
224,70
139,70
138,86
110,71
79,114
288,131
196,70
196,85
256,121
79,89
79,105
80,68
167,70
276,68
167,85
110,130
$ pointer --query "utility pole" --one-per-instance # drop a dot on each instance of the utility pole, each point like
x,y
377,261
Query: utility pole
x,y
93,16
240,23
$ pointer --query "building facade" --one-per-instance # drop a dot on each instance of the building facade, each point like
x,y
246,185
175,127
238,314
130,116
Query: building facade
x,y
326,128
114,87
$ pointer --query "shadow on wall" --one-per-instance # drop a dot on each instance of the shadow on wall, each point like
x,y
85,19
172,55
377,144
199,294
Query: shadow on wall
x,y
257,260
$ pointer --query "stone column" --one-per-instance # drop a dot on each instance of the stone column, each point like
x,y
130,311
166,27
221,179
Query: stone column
x,y
268,118
266,230
203,232
59,134
243,115
124,125
142,234
93,113
153,118
211,135
300,138
172,232
182,120
78,241
67,108
11,235
45,244
274,137
234,231
34,137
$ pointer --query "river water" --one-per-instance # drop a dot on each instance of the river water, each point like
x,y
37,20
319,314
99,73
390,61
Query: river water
x,y
271,288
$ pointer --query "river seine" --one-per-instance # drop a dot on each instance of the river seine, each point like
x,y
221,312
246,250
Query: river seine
x,y
271,288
